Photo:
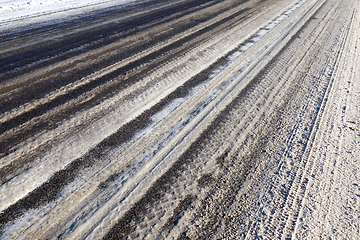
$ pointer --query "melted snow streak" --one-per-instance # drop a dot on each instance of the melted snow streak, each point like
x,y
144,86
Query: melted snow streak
x,y
179,119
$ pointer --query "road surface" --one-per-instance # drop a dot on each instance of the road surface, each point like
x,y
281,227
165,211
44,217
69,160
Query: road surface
x,y
182,119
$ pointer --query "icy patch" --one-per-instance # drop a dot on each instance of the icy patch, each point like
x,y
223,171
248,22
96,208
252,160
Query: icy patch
x,y
263,31
167,110
21,12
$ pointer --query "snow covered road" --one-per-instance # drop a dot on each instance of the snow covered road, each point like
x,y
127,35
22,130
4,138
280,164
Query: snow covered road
x,y
180,119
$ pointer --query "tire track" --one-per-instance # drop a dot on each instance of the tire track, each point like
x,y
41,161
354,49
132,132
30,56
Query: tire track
x,y
204,145
75,163
130,53
16,166
337,189
130,220
81,92
52,187
289,229
300,176
100,36
142,205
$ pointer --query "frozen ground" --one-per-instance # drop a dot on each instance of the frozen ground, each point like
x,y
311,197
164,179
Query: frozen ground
x,y
182,119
